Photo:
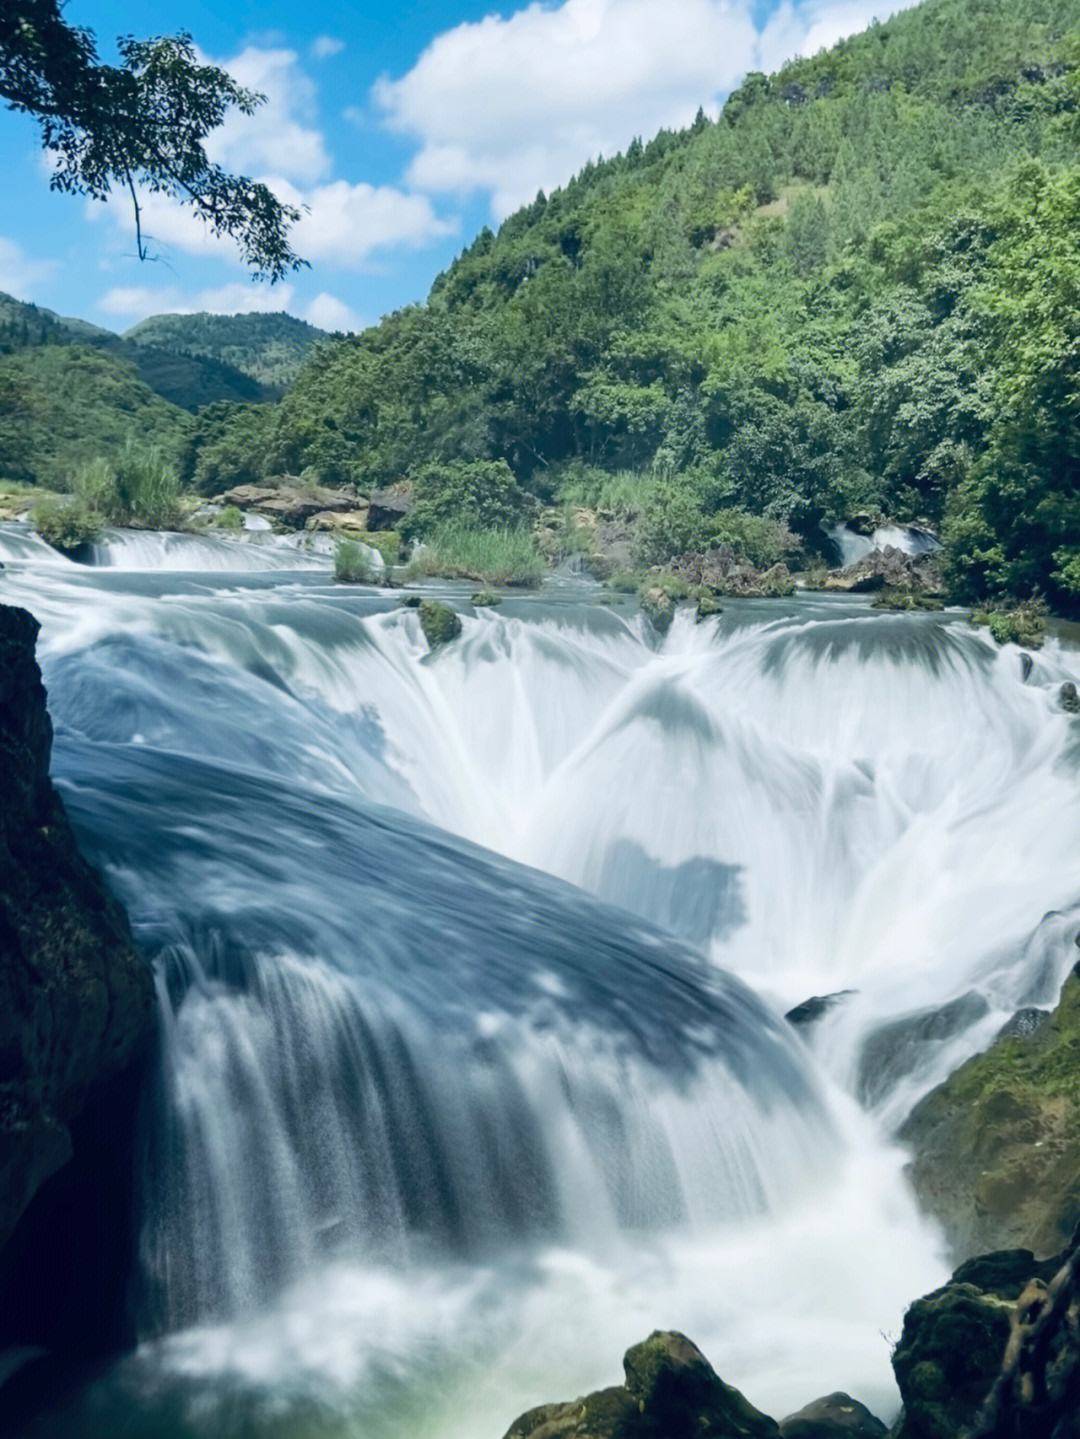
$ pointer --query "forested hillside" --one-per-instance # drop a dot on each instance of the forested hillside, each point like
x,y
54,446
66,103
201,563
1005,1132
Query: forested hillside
x,y
856,290
270,348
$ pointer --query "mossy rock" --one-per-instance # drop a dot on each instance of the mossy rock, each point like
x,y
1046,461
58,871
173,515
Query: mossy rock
x,y
904,600
708,606
623,582
439,623
1023,625
486,599
658,608
997,1146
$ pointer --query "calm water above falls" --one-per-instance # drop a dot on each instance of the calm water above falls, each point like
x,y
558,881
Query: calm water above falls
x,y
435,1135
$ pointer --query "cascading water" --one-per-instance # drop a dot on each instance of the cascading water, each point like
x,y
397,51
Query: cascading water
x,y
435,1134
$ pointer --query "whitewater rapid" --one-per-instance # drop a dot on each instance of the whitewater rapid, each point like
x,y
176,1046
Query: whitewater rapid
x,y
472,968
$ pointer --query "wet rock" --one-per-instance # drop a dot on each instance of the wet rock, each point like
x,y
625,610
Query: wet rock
x,y
439,623
997,1146
953,1343
815,1008
486,599
76,1000
387,508
898,1049
1069,699
1027,664
720,571
1024,1023
708,607
837,1416
671,1391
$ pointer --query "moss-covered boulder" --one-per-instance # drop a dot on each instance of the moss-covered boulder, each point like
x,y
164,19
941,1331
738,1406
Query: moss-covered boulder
x,y
708,607
836,1416
953,1343
1023,625
997,1146
486,599
439,623
671,1391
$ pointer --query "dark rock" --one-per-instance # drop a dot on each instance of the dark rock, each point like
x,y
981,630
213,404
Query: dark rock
x,y
1027,664
812,1009
837,1416
76,1001
1069,699
439,623
671,1392
899,1048
958,1341
997,1146
387,508
1023,1024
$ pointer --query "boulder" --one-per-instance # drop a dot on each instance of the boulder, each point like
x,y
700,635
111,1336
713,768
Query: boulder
x,y
720,571
888,569
897,1049
658,608
671,1391
290,504
439,623
836,1416
1069,698
708,607
486,599
996,1148
387,508
953,1344
76,1000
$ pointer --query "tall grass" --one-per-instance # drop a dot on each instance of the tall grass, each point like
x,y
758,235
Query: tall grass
x,y
498,557
141,488
624,492
352,564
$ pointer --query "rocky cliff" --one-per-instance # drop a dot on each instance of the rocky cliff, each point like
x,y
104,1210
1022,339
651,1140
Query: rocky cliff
x,y
76,1001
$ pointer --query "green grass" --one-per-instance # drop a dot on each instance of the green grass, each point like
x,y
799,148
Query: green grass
x,y
352,564
498,557
623,493
141,487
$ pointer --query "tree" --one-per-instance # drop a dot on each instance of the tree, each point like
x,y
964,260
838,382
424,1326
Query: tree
x,y
139,125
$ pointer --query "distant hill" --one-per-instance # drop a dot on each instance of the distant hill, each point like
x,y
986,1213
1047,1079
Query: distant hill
x,y
270,348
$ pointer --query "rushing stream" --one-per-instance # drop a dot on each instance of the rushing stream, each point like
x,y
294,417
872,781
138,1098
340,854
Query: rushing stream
x,y
472,967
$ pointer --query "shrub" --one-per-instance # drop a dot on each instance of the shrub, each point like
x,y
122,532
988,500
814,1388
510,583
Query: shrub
x,y
94,482
352,564
147,489
65,524
758,540
229,518
671,523
482,493
495,556
1023,625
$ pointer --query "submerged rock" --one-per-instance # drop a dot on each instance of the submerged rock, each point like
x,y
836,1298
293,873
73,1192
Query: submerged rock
x,y
671,1391
720,571
658,608
816,1007
486,599
997,1146
439,623
836,1416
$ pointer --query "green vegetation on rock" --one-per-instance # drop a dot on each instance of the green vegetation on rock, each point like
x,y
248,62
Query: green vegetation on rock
x,y
1024,624
66,524
439,623
496,556
352,564
997,1146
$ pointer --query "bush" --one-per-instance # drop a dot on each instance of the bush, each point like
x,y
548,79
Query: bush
x,y
94,482
1023,625
671,523
481,493
387,542
142,488
352,564
65,524
496,556
229,518
755,539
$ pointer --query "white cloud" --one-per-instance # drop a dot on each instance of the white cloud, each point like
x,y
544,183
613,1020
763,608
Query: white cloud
x,y
330,313
516,104
345,224
20,273
130,303
281,135
324,47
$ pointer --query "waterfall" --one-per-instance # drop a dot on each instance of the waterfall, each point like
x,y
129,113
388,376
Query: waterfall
x,y
471,968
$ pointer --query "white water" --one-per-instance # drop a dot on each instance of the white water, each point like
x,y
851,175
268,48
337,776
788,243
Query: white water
x,y
910,538
435,1140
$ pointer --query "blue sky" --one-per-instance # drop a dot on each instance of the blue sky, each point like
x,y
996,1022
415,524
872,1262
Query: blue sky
x,y
402,128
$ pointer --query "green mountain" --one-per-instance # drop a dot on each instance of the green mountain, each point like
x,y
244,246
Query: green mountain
x,y
270,348
856,290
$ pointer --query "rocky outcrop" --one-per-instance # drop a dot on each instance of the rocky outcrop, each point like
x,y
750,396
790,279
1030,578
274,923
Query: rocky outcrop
x,y
387,508
837,1416
340,522
723,573
290,503
658,607
955,1345
888,569
997,1146
76,1001
671,1391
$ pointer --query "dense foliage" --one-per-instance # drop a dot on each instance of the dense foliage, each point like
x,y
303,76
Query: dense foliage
x,y
857,290
270,348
